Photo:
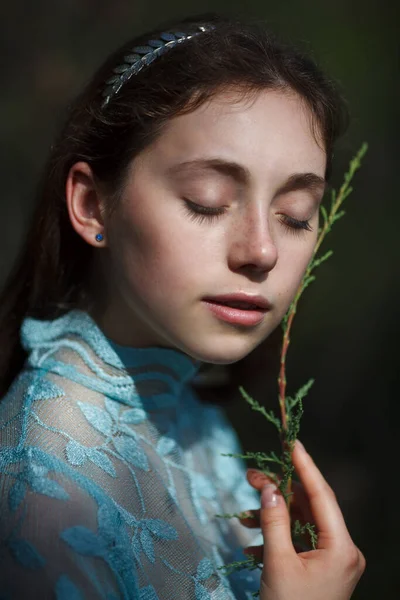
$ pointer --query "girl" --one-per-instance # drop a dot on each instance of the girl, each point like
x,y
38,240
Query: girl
x,y
178,213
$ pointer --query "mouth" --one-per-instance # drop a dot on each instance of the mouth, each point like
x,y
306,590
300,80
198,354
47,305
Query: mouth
x,y
239,312
240,305
241,302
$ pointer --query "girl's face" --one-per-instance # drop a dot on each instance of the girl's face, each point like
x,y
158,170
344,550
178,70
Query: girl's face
x,y
259,164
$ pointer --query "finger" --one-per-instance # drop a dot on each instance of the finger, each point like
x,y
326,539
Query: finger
x,y
257,479
275,526
325,509
299,506
256,551
253,520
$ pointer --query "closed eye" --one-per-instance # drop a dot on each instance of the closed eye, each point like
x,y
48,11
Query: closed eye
x,y
295,225
201,213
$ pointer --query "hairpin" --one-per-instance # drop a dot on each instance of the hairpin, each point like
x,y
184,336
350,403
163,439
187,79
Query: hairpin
x,y
141,56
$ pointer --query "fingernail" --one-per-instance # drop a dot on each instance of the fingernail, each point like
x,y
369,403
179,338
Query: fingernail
x,y
301,446
268,496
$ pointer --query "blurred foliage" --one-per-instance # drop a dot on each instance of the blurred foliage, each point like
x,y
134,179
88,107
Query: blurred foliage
x,y
345,334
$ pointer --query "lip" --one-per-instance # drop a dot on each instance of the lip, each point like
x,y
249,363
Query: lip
x,y
238,316
260,303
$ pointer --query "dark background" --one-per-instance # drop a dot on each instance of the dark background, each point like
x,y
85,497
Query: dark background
x,y
347,328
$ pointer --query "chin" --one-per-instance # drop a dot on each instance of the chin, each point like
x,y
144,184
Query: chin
x,y
221,354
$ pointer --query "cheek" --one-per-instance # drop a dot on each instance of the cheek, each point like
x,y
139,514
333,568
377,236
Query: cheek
x,y
294,257
161,256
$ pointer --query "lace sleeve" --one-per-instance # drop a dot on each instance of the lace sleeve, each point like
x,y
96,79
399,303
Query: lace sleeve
x,y
96,504
59,541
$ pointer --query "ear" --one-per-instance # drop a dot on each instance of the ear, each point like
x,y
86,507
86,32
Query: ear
x,y
84,203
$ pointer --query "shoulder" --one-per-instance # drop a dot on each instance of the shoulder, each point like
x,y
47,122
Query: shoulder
x,y
56,515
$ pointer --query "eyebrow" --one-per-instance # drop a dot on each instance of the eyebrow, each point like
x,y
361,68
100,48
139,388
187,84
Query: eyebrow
x,y
296,181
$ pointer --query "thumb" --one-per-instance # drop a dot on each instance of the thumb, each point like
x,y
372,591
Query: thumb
x,y
275,525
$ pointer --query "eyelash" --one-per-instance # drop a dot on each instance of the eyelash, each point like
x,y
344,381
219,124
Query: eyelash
x,y
205,213
294,225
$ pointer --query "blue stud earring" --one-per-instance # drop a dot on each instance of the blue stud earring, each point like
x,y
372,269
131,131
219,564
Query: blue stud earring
x,y
99,237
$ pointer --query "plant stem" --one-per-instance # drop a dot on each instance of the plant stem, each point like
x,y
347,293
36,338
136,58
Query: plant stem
x,y
334,215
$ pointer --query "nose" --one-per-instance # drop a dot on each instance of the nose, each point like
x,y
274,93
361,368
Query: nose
x,y
251,246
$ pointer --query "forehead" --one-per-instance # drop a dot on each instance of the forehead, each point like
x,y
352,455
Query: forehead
x,y
269,133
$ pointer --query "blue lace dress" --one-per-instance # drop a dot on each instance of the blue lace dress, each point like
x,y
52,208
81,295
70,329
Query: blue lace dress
x,y
111,475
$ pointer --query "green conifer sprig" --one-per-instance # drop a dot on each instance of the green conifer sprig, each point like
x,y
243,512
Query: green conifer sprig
x,y
251,564
328,220
292,407
269,415
299,530
302,393
242,515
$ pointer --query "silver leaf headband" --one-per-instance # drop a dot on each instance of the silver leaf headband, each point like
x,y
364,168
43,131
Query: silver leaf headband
x,y
141,56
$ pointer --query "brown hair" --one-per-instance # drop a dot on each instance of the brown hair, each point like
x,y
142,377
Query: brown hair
x,y
52,270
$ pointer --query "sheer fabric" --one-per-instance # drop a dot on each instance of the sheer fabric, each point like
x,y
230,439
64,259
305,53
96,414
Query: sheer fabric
x,y
111,475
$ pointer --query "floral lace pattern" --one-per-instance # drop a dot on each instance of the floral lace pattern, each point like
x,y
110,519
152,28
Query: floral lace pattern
x,y
111,475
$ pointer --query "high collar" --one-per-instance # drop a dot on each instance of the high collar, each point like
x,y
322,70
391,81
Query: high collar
x,y
151,378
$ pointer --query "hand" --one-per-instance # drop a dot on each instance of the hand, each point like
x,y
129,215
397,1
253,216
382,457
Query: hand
x,y
333,570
